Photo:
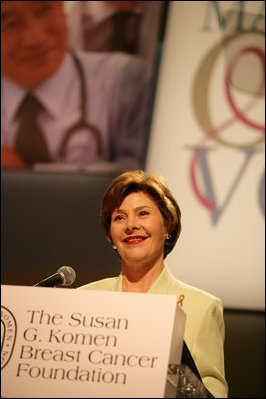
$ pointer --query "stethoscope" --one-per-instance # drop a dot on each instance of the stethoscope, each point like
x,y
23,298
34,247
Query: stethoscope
x,y
82,122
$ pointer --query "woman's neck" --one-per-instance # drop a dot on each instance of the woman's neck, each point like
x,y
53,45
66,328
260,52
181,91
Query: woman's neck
x,y
140,280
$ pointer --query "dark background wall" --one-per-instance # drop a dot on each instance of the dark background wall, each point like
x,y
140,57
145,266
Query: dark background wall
x,y
244,352
52,219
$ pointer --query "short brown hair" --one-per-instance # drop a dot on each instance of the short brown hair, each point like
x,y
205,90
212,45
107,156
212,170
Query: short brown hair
x,y
150,184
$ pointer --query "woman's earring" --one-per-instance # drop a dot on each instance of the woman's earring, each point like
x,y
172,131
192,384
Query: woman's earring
x,y
113,245
168,236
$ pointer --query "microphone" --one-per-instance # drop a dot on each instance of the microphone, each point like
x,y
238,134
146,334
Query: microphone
x,y
64,277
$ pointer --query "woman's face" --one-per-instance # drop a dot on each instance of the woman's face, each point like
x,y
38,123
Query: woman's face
x,y
138,230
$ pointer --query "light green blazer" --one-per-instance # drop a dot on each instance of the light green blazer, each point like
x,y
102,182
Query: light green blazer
x,y
204,330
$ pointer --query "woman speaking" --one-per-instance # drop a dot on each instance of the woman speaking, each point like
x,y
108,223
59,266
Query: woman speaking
x,y
142,221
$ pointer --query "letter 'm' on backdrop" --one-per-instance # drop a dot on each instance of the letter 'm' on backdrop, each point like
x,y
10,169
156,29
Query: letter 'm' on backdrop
x,y
207,140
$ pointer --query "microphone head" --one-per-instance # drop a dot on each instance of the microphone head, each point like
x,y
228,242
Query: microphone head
x,y
68,275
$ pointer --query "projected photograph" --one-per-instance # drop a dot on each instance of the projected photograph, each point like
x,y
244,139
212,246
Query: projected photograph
x,y
78,80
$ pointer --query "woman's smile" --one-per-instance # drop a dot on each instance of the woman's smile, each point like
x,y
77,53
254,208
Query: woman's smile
x,y
133,240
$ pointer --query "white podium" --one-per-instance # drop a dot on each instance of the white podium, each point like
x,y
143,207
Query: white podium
x,y
59,342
